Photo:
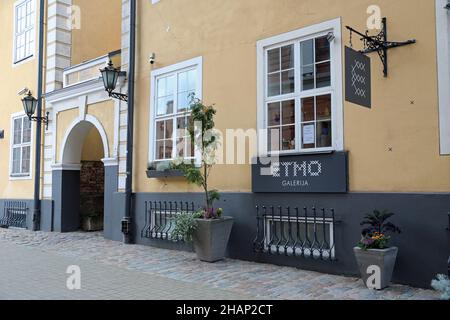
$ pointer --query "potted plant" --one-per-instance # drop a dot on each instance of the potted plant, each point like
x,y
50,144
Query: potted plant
x,y
208,229
376,260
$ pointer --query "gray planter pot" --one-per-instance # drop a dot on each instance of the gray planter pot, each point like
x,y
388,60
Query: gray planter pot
x,y
211,238
383,259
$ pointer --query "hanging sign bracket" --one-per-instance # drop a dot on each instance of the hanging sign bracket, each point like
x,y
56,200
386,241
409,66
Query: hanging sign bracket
x,y
379,44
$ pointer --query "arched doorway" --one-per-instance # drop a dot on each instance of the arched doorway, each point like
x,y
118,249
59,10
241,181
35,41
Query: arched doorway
x,y
79,181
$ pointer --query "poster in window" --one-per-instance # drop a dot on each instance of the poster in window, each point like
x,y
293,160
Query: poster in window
x,y
309,134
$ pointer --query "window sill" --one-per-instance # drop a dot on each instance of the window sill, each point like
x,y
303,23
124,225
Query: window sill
x,y
156,174
22,61
19,177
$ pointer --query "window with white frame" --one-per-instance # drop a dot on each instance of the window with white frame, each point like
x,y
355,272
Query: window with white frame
x,y
21,147
24,30
302,90
172,90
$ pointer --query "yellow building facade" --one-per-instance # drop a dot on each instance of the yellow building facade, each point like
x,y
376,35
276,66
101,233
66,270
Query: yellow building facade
x,y
267,66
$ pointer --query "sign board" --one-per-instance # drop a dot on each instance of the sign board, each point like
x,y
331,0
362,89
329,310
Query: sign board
x,y
358,85
318,173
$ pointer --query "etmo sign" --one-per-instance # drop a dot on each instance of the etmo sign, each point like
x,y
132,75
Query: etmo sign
x,y
319,173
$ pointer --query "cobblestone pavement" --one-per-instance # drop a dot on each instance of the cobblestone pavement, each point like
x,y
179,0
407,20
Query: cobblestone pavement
x,y
243,279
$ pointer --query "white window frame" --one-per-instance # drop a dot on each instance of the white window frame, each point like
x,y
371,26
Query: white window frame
x,y
12,176
196,63
443,73
33,28
295,37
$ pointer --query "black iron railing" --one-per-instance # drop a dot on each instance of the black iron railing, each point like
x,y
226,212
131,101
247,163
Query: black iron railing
x,y
14,215
160,219
296,232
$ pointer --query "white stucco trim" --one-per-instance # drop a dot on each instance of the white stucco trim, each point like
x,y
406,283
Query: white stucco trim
x,y
66,167
110,162
443,70
92,120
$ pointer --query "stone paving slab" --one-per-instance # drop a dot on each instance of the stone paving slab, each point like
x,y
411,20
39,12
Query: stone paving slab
x,y
260,281
29,274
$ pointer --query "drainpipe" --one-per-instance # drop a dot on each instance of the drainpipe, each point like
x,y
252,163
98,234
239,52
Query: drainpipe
x,y
126,223
37,170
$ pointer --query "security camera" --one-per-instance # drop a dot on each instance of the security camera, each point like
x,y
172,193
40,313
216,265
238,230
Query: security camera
x,y
330,37
23,91
152,59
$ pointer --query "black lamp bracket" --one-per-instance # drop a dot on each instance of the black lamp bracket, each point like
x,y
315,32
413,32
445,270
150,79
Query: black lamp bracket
x,y
379,43
120,96
44,120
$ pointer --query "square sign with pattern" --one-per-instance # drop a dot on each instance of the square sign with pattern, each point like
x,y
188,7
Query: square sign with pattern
x,y
357,78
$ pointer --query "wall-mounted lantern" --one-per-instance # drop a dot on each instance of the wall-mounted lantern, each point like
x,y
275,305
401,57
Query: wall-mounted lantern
x,y
110,76
29,106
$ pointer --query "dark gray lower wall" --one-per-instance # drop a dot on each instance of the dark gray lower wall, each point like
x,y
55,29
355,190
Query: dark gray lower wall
x,y
46,212
66,197
113,213
424,244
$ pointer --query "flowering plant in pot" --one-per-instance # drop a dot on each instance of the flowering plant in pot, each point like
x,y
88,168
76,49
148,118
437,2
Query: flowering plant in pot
x,y
376,260
207,228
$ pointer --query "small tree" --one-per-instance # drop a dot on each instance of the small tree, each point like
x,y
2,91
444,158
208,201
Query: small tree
x,y
206,141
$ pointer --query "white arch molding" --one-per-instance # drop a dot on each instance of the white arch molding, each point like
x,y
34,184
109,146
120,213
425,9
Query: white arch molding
x,y
72,144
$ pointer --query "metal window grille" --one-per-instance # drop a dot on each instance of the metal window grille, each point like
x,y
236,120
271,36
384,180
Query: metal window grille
x,y
14,215
294,232
160,219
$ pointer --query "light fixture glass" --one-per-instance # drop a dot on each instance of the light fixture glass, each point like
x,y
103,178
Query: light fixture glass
x,y
29,104
110,75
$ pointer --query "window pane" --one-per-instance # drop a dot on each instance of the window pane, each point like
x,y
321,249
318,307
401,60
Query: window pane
x,y
181,146
323,107
274,84
323,75
169,129
289,138
26,130
168,149
324,134
16,160
165,105
161,83
274,114
288,82
166,86
273,139
308,109
287,57
308,77
160,130
192,80
322,49
273,60
307,52
26,159
183,82
184,100
17,131
288,112
160,150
